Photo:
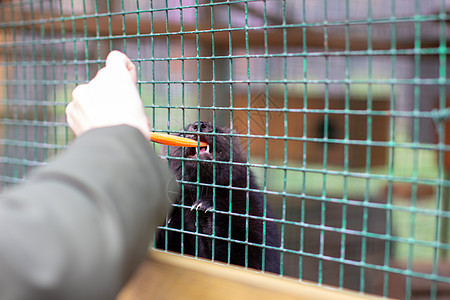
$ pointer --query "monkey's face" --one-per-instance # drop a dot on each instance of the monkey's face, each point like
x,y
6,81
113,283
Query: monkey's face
x,y
201,131
205,161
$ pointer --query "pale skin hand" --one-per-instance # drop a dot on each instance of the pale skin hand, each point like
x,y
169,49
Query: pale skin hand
x,y
111,98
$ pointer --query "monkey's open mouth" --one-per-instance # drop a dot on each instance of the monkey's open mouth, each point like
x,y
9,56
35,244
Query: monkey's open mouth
x,y
199,152
202,150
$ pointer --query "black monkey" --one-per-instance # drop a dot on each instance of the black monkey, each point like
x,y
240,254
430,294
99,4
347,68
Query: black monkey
x,y
212,218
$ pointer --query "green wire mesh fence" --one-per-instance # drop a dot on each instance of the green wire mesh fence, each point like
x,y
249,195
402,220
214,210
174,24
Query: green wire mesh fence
x,y
342,107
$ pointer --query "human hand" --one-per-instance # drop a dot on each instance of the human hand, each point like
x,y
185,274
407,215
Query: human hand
x,y
110,98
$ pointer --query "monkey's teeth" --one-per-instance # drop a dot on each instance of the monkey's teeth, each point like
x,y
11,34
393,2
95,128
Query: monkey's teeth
x,y
202,149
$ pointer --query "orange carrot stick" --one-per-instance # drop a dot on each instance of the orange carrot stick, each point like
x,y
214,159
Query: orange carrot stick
x,y
173,140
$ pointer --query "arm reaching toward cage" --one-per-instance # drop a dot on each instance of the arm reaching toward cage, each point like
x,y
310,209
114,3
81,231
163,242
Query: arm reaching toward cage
x,y
110,98
79,226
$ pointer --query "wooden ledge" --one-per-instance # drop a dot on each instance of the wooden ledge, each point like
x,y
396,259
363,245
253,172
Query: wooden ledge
x,y
170,276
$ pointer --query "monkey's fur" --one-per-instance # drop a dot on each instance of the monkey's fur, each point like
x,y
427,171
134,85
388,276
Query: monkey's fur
x,y
212,213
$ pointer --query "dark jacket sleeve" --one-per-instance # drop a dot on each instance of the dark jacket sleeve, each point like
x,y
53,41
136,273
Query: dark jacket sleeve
x,y
79,226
